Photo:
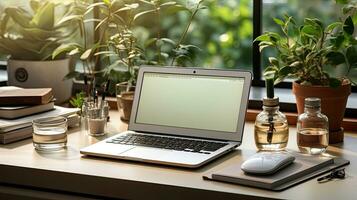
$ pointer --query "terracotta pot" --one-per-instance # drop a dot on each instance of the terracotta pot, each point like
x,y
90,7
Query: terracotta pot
x,y
333,105
125,98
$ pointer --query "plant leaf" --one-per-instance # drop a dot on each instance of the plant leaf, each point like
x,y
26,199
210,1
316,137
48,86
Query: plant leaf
x,y
107,2
264,37
311,30
335,57
147,2
35,4
169,41
341,1
273,61
72,74
333,26
74,52
143,13
20,16
96,4
285,71
278,21
64,48
334,82
351,55
132,6
86,54
44,17
169,3
174,9
348,26
69,18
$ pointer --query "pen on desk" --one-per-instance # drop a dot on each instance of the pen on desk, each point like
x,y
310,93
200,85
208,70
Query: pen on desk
x,y
86,85
95,94
93,91
106,89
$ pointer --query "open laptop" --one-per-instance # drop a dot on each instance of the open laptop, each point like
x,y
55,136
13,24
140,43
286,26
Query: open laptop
x,y
182,117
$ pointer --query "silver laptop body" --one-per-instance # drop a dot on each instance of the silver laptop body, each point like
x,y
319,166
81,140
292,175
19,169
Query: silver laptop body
x,y
180,104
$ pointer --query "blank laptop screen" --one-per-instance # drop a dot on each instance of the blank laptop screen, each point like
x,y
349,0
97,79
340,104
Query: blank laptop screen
x,y
190,101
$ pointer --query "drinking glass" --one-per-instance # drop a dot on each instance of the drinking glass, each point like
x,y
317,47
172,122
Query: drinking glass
x,y
50,133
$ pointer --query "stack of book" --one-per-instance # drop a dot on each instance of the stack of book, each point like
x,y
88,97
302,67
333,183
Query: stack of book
x,y
19,106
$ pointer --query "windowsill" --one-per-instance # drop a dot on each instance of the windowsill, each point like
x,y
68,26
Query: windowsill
x,y
287,100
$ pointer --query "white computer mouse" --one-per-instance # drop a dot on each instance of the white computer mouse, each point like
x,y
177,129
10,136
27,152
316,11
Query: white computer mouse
x,y
266,163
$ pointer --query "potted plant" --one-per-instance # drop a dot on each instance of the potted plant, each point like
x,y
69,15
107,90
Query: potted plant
x,y
129,52
304,52
121,48
29,38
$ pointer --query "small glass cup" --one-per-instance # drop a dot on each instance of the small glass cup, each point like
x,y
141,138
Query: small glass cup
x,y
50,133
97,116
87,104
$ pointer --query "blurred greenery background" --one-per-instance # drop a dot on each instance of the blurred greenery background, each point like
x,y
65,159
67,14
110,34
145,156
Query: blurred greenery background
x,y
224,30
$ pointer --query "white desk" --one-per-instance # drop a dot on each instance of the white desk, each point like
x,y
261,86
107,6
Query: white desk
x,y
67,174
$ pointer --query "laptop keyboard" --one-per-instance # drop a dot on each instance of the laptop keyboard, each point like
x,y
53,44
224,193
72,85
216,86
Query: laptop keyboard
x,y
178,144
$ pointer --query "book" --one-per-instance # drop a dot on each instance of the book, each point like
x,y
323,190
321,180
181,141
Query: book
x,y
26,132
10,95
7,125
302,166
12,112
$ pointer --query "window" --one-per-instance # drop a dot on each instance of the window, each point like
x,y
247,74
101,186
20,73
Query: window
x,y
226,28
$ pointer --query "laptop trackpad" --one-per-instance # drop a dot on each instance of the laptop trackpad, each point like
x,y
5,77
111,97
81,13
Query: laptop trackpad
x,y
144,152
147,153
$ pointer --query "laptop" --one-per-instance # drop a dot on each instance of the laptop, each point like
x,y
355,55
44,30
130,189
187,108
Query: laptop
x,y
182,117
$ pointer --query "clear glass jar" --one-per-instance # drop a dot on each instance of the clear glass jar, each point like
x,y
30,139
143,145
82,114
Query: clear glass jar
x,y
271,130
97,117
312,128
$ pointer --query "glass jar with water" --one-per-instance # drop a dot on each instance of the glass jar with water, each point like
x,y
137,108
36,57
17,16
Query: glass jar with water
x,y
271,130
312,128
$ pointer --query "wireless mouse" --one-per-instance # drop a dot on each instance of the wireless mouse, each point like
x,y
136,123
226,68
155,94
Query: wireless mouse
x,y
267,163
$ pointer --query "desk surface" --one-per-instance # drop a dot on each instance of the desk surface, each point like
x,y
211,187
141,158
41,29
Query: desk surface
x,y
69,171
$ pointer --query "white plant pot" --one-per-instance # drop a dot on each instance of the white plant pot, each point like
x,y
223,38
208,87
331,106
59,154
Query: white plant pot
x,y
37,74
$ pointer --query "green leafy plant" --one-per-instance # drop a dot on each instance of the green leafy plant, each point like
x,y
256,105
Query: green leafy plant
x,y
78,100
130,54
304,51
26,35
122,45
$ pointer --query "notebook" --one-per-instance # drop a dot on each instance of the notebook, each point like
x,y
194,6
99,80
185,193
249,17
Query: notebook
x,y
7,125
182,117
10,95
12,112
303,168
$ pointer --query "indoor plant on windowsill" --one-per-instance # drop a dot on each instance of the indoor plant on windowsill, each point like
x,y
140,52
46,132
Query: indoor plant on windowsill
x,y
121,46
130,52
29,38
304,52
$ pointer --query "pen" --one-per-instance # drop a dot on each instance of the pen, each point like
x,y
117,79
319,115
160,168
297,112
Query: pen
x,y
86,85
106,89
